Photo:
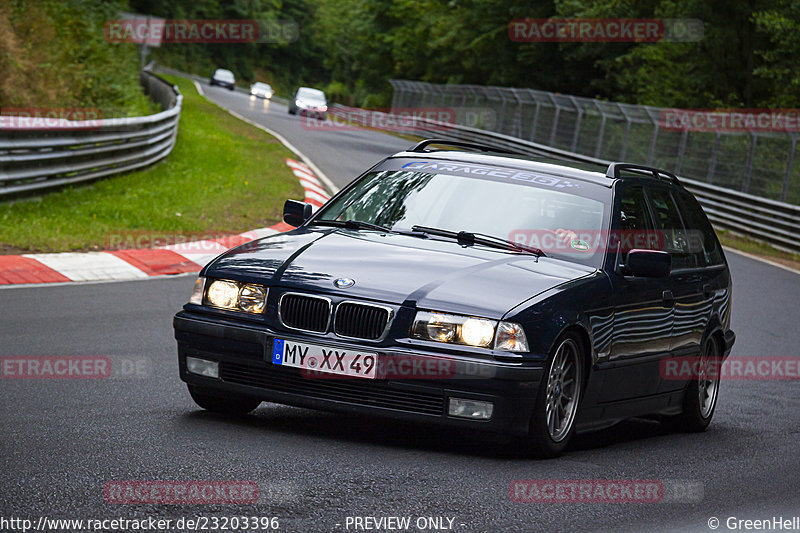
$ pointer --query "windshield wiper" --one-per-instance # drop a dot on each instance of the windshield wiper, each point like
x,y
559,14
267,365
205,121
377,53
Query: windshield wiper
x,y
480,238
352,224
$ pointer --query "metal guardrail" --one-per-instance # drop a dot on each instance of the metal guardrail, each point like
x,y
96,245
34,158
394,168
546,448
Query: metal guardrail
x,y
754,161
763,219
33,157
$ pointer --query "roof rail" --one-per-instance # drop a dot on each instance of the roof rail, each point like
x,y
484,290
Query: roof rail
x,y
614,170
420,146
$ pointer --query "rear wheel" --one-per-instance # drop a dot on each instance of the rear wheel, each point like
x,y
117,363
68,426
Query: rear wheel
x,y
222,402
558,399
701,395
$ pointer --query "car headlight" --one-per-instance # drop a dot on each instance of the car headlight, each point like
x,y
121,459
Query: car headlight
x,y
470,331
253,298
224,294
455,329
237,296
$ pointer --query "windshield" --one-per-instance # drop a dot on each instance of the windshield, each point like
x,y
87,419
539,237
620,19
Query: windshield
x,y
223,74
563,224
311,94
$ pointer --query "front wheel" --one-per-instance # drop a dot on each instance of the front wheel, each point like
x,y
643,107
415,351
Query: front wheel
x,y
701,394
557,401
222,402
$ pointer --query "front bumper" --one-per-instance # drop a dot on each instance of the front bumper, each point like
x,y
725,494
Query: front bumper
x,y
244,355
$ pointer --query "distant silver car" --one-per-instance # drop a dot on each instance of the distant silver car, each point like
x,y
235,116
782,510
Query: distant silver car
x,y
261,90
223,78
308,101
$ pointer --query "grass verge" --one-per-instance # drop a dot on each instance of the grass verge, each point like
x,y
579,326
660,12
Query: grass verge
x,y
223,176
758,248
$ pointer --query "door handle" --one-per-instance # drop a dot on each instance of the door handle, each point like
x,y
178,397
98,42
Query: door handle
x,y
668,298
708,290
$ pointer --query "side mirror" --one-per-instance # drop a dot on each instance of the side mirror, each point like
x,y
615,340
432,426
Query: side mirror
x,y
295,213
647,264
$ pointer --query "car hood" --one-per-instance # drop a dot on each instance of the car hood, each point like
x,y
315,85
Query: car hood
x,y
426,273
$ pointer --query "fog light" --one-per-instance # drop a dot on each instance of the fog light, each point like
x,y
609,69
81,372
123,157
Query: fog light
x,y
474,409
202,367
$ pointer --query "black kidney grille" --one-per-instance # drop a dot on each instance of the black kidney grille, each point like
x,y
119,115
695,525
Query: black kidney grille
x,y
308,313
360,321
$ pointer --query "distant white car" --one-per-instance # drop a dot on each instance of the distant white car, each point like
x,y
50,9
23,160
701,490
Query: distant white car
x,y
261,90
223,78
308,101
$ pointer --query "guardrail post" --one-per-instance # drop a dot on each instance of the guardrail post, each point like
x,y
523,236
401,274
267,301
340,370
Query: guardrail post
x,y
651,152
681,151
712,161
554,127
748,169
601,132
502,123
535,123
576,132
788,175
624,149
516,127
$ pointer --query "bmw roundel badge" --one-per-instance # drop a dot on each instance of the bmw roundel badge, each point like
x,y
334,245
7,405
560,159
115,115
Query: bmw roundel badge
x,y
344,283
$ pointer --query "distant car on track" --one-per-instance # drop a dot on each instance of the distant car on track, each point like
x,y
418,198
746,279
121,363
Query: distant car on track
x,y
261,90
223,78
475,289
308,101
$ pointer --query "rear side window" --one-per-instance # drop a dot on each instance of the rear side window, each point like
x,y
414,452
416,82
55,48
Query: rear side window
x,y
698,224
670,223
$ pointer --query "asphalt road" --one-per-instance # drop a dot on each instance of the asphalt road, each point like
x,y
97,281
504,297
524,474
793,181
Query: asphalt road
x,y
342,153
61,441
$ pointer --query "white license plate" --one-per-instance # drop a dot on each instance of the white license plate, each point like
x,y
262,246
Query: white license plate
x,y
324,360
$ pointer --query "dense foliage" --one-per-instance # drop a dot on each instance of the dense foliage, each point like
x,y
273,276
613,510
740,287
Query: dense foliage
x,y
747,57
53,53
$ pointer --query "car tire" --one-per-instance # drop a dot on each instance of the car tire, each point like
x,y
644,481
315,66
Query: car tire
x,y
222,402
701,394
552,427
231,88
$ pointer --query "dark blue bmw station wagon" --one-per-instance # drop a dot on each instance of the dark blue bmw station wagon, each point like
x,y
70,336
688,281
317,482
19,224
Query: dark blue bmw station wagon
x,y
477,289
